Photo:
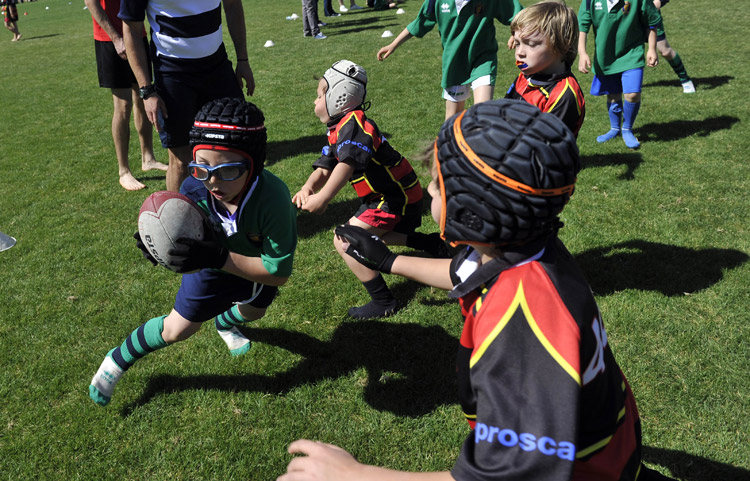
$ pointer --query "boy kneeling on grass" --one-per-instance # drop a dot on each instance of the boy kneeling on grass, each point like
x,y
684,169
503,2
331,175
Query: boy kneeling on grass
x,y
537,380
251,253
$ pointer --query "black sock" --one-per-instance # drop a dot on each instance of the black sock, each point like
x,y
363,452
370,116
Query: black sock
x,y
430,243
383,303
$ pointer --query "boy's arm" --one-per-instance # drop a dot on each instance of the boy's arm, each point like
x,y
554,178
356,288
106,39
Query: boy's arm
x,y
251,268
584,62
236,24
316,180
318,202
386,51
652,60
101,18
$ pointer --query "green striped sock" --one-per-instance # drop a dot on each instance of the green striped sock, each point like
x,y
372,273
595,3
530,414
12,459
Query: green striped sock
x,y
229,319
679,68
147,338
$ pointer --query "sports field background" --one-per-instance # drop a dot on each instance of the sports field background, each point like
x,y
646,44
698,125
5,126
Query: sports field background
x,y
662,234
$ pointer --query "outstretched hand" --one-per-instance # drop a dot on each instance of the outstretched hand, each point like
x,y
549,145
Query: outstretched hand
x,y
320,461
366,248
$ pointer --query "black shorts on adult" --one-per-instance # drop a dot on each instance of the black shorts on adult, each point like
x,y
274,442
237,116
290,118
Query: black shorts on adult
x,y
11,14
185,93
114,71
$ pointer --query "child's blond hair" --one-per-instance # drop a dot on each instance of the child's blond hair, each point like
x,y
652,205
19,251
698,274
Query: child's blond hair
x,y
554,20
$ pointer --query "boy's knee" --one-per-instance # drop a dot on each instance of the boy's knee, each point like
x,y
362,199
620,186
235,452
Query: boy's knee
x,y
251,313
633,97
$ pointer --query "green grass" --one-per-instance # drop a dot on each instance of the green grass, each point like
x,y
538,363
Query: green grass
x,y
662,234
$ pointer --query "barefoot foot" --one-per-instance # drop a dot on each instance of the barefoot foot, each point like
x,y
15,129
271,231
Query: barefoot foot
x,y
129,182
153,165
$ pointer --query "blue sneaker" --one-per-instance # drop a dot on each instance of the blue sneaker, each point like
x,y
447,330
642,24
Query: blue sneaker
x,y
319,36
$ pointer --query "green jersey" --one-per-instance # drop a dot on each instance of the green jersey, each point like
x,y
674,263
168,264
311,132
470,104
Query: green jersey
x,y
467,32
620,28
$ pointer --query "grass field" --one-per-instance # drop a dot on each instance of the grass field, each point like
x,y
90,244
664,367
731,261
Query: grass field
x,y
662,233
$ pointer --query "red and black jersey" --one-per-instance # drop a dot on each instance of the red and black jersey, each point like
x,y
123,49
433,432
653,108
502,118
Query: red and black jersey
x,y
537,380
558,94
381,174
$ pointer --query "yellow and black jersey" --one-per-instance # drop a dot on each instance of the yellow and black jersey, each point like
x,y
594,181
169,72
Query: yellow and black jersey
x,y
537,380
381,174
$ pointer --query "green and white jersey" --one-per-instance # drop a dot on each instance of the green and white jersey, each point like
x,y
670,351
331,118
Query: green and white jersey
x,y
467,32
620,28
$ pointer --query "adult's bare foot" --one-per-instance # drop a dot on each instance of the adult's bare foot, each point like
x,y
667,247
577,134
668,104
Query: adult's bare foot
x,y
153,165
129,182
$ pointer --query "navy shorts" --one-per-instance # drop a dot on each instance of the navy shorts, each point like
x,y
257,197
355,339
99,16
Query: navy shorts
x,y
629,82
114,71
184,94
207,293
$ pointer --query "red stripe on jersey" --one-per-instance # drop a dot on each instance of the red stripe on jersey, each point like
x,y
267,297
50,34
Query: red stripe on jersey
x,y
547,316
414,193
362,187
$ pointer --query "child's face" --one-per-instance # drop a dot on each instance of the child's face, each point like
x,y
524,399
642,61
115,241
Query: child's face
x,y
320,102
222,190
534,54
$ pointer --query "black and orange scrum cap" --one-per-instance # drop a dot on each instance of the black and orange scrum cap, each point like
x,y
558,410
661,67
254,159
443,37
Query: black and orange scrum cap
x,y
506,170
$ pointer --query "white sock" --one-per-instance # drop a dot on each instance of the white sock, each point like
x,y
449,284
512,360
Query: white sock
x,y
106,379
235,340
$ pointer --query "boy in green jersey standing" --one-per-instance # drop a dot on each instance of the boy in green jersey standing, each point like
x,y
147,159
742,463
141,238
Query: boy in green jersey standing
x,y
619,28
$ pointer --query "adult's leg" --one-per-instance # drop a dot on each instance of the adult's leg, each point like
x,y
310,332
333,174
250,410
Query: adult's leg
x,y
179,158
145,135
121,136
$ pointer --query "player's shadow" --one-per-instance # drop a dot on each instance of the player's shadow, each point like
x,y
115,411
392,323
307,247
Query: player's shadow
x,y
701,83
358,24
630,160
410,368
644,265
680,129
278,150
688,467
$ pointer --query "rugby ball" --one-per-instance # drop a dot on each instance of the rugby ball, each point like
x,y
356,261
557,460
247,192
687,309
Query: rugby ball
x,y
166,216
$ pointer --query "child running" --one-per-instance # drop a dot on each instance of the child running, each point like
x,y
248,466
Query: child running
x,y
386,184
670,54
537,380
545,38
619,29
240,269
467,32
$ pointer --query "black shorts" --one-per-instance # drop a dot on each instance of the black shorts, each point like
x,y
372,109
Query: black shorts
x,y
11,14
114,72
185,93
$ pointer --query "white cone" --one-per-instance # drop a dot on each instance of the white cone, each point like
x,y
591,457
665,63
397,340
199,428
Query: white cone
x,y
269,43
400,11
387,34
6,242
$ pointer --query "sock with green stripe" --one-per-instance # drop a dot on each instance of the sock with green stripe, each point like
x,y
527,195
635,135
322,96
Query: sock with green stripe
x,y
679,68
147,338
226,326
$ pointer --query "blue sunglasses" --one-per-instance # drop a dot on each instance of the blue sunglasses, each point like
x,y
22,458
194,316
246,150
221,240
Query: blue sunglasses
x,y
226,172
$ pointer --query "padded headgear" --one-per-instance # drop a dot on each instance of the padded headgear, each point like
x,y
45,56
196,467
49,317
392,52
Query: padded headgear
x,y
347,87
235,125
506,170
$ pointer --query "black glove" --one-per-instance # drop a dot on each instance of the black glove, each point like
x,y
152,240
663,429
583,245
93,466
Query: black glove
x,y
209,253
139,243
366,248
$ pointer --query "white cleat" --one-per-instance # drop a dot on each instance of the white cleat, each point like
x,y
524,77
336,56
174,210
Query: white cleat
x,y
237,343
105,380
688,87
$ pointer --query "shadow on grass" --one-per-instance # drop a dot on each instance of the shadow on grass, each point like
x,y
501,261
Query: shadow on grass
x,y
701,83
631,160
310,144
37,37
680,129
643,265
688,467
402,376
